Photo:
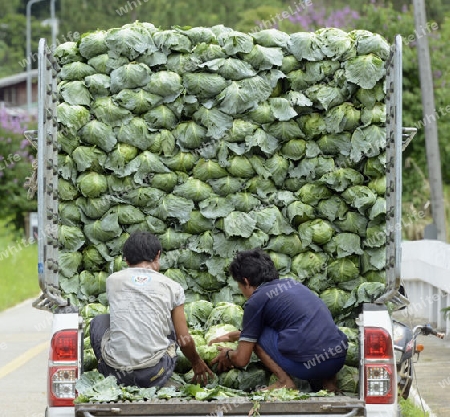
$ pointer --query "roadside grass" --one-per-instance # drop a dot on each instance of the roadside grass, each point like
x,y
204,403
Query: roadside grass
x,y
18,269
409,409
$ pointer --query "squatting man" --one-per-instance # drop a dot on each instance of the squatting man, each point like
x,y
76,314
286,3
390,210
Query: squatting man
x,y
289,332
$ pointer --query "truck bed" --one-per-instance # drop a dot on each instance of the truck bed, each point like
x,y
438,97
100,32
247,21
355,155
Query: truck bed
x,y
314,406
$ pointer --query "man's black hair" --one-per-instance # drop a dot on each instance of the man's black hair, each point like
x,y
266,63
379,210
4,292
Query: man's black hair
x,y
255,265
140,247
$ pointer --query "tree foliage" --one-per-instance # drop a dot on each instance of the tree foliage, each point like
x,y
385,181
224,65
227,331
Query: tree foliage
x,y
13,46
16,160
103,14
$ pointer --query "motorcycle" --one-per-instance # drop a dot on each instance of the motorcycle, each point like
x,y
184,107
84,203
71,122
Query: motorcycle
x,y
405,347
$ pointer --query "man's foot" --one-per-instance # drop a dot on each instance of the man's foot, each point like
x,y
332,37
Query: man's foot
x,y
331,385
281,384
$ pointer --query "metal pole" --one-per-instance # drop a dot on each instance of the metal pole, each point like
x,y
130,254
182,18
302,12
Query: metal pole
x,y
53,19
430,120
29,57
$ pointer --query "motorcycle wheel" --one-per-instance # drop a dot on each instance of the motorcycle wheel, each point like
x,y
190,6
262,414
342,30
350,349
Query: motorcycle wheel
x,y
408,370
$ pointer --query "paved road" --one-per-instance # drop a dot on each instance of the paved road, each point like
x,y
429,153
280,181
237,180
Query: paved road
x,y
433,374
24,340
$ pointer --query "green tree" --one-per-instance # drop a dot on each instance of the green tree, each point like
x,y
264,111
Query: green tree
x,y
435,9
10,7
86,15
13,43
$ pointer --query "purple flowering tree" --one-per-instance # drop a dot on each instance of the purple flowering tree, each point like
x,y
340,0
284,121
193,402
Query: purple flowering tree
x,y
313,18
17,156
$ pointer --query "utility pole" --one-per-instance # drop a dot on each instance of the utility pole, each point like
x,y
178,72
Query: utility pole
x,y
430,120
54,22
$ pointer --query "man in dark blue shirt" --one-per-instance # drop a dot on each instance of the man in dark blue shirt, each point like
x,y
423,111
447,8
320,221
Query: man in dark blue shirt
x,y
290,329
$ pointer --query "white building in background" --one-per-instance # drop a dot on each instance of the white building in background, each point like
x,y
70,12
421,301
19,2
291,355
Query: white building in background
x,y
425,271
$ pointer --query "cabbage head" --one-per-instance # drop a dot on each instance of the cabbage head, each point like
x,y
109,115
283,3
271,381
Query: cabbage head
x,y
90,310
197,223
287,244
344,244
92,259
281,261
193,189
231,378
353,350
359,197
335,299
240,166
308,264
253,377
217,330
378,186
66,190
89,157
93,283
94,208
348,379
164,181
104,229
69,213
208,353
311,193
225,313
203,281
92,184
119,157
343,269
332,208
69,262
208,169
70,237
315,231
197,312
353,222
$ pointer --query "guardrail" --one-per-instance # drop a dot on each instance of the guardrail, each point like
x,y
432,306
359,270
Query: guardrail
x,y
425,272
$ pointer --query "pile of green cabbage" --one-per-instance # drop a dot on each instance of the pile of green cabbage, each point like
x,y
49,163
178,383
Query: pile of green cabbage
x,y
218,141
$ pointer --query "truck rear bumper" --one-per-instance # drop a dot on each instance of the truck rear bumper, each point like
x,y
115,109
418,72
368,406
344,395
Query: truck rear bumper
x,y
60,412
317,407
382,410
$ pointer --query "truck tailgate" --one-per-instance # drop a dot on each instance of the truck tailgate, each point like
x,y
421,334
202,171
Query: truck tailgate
x,y
317,406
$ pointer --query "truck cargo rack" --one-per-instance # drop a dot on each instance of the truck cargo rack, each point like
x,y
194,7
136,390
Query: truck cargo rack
x,y
397,139
234,407
47,182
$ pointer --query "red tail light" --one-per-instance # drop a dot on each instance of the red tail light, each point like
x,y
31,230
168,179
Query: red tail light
x,y
63,368
379,367
377,344
64,346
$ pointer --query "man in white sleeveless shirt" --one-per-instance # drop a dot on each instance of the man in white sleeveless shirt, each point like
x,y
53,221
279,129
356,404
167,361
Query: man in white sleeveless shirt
x,y
137,341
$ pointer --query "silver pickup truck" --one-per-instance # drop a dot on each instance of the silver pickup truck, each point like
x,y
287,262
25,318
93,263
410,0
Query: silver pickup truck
x,y
377,396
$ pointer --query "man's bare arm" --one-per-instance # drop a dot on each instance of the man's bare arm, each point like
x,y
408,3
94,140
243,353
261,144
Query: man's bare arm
x,y
187,346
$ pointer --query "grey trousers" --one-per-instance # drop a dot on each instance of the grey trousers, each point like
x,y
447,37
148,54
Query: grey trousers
x,y
155,376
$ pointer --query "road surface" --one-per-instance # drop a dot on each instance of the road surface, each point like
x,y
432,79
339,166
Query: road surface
x,y
24,341
432,373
